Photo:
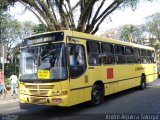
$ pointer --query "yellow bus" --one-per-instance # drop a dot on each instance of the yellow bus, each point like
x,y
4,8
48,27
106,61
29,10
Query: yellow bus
x,y
65,68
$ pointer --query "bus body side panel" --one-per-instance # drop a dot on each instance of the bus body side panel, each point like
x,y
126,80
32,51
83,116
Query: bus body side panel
x,y
121,78
151,72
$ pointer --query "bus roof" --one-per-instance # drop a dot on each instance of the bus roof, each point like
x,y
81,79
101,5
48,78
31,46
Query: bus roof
x,y
94,38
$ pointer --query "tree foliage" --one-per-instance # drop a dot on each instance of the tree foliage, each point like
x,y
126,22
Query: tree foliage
x,y
27,29
9,30
80,15
4,4
40,28
128,33
153,25
131,33
112,33
12,32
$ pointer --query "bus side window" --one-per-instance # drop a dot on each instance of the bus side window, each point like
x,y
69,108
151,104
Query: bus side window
x,y
119,54
136,54
149,56
76,55
129,55
143,56
76,59
107,53
94,54
153,60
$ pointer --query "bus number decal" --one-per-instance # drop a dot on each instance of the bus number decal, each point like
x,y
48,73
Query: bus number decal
x,y
43,74
139,68
109,73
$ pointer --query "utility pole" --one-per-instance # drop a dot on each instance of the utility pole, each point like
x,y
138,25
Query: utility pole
x,y
2,49
2,64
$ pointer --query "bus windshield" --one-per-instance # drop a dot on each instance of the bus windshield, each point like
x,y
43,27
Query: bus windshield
x,y
43,62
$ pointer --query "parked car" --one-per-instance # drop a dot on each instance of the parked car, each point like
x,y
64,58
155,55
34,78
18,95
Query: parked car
x,y
159,72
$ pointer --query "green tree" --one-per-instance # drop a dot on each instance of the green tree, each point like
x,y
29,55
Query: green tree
x,y
9,30
27,29
131,33
153,25
5,3
84,16
111,33
40,28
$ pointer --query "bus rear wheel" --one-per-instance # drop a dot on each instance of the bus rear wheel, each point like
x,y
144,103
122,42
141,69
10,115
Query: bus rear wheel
x,y
143,83
96,95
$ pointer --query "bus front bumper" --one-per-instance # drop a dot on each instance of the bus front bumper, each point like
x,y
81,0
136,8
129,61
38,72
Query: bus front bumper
x,y
40,100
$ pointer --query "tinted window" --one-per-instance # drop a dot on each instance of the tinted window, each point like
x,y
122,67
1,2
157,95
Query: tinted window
x,y
143,56
136,54
77,60
129,55
107,53
150,56
119,54
94,55
143,52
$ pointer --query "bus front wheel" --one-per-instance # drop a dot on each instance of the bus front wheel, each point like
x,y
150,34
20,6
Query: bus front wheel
x,y
96,95
143,83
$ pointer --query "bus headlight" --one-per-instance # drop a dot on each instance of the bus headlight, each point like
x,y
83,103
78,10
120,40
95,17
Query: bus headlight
x,y
23,90
56,93
64,92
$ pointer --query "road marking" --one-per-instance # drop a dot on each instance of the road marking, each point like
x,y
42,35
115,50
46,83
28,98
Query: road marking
x,y
8,101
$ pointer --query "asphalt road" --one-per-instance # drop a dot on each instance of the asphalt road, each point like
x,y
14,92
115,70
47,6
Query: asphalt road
x,y
127,105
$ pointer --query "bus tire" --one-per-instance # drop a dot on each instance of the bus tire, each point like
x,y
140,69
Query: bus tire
x,y
96,95
143,83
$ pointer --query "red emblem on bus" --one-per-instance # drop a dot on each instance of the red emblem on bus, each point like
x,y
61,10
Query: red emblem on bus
x,y
109,73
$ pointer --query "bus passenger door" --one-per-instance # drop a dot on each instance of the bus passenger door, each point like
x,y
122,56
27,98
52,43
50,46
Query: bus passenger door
x,y
77,70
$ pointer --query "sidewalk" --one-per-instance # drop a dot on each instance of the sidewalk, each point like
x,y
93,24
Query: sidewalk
x,y
7,97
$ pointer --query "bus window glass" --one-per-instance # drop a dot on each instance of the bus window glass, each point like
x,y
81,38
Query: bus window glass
x,y
107,53
119,54
94,54
153,57
149,56
129,55
77,60
143,56
28,61
48,58
76,55
136,54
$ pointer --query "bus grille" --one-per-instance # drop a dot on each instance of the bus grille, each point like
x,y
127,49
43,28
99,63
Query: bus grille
x,y
39,92
39,86
38,100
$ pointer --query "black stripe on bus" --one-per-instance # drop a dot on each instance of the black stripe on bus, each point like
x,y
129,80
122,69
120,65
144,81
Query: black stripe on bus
x,y
122,80
111,82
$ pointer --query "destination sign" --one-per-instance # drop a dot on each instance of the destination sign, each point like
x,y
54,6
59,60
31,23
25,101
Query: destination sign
x,y
53,37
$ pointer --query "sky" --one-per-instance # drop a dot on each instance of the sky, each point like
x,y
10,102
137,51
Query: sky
x,y
118,17
128,16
